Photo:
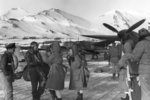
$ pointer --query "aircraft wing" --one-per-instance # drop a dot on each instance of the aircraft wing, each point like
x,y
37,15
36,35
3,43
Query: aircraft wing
x,y
86,51
102,50
24,47
104,43
106,37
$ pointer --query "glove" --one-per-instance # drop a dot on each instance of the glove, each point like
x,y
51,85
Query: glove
x,y
71,59
9,78
38,64
127,56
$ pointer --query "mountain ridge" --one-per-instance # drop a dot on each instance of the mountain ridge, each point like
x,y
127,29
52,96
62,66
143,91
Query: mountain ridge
x,y
121,19
47,23
55,23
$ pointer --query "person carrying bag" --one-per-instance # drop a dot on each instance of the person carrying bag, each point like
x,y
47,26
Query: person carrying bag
x,y
79,74
34,66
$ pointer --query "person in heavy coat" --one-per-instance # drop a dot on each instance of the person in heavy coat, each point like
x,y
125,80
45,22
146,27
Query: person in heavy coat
x,y
34,62
141,53
129,41
78,66
7,69
119,47
113,58
56,76
47,54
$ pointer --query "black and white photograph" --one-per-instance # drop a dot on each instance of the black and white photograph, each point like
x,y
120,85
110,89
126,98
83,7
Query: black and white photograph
x,y
74,49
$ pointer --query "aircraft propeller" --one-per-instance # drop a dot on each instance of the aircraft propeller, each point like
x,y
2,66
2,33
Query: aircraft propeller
x,y
122,32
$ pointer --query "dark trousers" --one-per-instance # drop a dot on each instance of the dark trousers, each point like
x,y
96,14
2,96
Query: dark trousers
x,y
36,80
136,94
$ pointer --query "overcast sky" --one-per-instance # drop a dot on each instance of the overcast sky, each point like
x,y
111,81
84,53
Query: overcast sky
x,y
88,9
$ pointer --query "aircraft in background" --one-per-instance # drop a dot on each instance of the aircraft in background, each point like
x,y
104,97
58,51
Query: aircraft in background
x,y
98,47
119,35
90,48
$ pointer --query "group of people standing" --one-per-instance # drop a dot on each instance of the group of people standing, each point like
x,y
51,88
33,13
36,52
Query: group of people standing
x,y
136,48
136,60
52,80
141,53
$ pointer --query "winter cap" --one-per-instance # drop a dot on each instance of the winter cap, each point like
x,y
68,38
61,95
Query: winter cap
x,y
34,43
10,45
143,32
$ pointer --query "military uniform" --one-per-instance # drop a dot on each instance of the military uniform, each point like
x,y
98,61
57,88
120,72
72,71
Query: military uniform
x,y
119,46
6,73
78,65
128,47
113,58
34,62
141,53
57,73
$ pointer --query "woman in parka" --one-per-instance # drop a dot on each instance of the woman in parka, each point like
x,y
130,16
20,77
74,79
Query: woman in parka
x,y
141,53
78,76
56,76
129,41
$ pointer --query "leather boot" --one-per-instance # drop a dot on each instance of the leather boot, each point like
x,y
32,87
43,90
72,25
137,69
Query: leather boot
x,y
126,98
118,76
53,94
36,97
58,98
113,76
80,96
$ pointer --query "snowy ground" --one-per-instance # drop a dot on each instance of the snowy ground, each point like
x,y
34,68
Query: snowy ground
x,y
100,87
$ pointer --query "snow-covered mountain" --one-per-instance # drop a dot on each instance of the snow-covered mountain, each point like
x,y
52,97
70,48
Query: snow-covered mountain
x,y
16,13
120,20
52,23
61,15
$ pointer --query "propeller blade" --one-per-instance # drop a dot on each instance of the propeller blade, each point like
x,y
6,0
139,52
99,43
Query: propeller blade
x,y
135,25
110,27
